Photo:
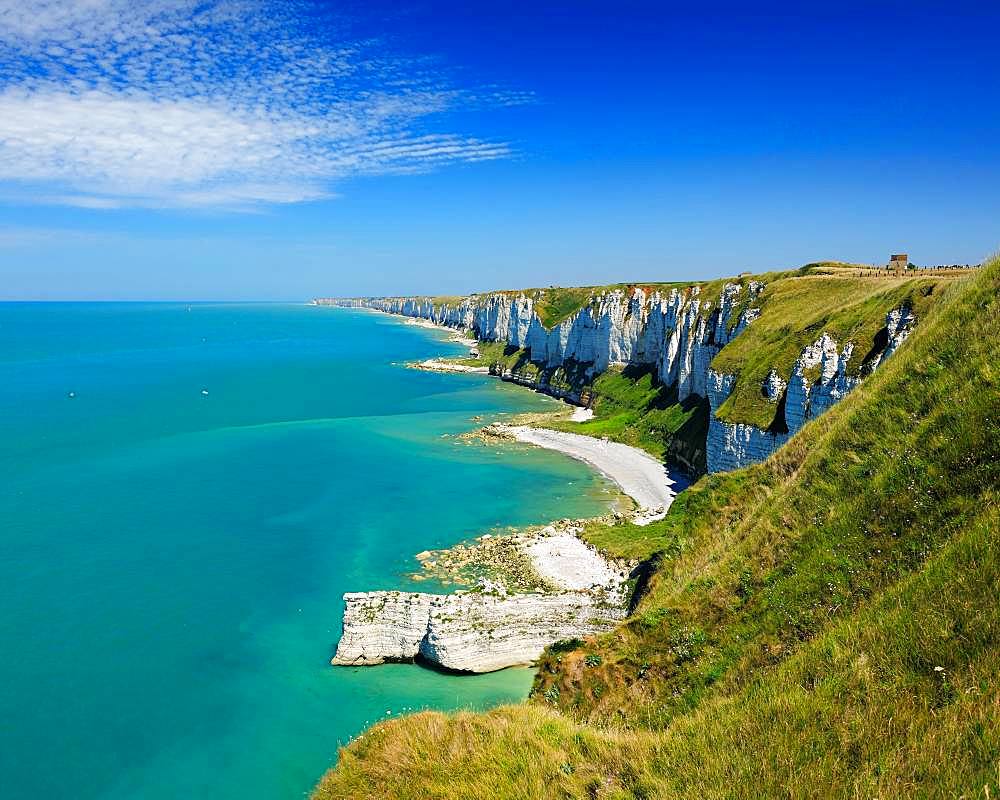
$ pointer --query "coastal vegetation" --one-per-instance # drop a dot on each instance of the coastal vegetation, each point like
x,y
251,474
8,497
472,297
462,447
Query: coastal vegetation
x,y
512,358
822,624
554,305
632,407
795,310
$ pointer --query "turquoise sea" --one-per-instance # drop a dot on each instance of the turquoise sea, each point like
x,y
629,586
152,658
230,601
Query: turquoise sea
x,y
185,494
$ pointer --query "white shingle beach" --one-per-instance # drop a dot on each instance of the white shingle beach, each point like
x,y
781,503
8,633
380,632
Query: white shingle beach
x,y
637,473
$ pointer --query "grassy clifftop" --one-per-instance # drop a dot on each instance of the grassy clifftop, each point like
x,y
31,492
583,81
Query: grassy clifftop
x,y
823,624
847,302
796,310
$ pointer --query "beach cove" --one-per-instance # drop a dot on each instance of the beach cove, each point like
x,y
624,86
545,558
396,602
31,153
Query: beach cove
x,y
520,593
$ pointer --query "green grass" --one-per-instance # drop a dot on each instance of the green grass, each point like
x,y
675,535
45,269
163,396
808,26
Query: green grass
x,y
498,353
554,305
439,301
795,311
824,624
633,408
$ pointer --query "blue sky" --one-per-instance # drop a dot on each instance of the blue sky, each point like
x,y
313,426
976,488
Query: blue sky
x,y
242,149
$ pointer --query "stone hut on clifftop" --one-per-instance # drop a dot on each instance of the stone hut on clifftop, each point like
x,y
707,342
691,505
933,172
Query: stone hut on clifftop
x,y
898,262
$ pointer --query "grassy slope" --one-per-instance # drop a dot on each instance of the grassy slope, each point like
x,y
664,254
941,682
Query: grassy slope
x,y
633,408
554,305
789,640
859,712
795,311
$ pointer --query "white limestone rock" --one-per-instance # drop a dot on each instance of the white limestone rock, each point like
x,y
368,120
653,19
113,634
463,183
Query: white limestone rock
x,y
677,333
490,630
899,324
382,626
774,386
480,633
470,632
562,559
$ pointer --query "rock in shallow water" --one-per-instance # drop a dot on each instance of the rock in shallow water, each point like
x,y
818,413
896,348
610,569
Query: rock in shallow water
x,y
382,626
483,631
469,632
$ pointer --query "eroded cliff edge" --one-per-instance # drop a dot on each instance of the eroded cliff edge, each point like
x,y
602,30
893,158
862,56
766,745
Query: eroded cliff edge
x,y
573,591
702,342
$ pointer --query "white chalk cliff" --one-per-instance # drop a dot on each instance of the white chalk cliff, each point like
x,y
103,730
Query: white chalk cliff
x,y
469,632
678,335
731,446
490,630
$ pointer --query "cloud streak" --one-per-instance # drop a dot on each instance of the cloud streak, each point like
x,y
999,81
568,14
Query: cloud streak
x,y
228,104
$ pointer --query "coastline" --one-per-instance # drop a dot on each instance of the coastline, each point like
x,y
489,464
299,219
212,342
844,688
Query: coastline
x,y
640,476
539,587
647,481
635,472
454,334
528,589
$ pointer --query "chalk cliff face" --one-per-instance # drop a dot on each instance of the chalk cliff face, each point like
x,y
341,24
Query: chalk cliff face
x,y
678,334
731,446
382,626
576,592
470,632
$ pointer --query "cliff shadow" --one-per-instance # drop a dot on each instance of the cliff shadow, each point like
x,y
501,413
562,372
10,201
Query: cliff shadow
x,y
643,575
687,447
779,424
425,663
879,343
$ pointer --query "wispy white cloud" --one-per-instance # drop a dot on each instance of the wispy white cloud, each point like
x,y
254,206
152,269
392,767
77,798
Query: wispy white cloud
x,y
12,237
233,103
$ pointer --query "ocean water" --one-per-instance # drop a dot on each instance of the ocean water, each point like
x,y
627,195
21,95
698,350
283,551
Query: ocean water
x,y
185,494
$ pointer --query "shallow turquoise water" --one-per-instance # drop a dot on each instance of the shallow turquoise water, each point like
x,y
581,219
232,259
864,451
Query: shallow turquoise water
x,y
172,563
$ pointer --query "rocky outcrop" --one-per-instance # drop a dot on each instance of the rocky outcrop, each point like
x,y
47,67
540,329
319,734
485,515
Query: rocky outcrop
x,y
487,630
731,446
469,632
383,626
676,333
